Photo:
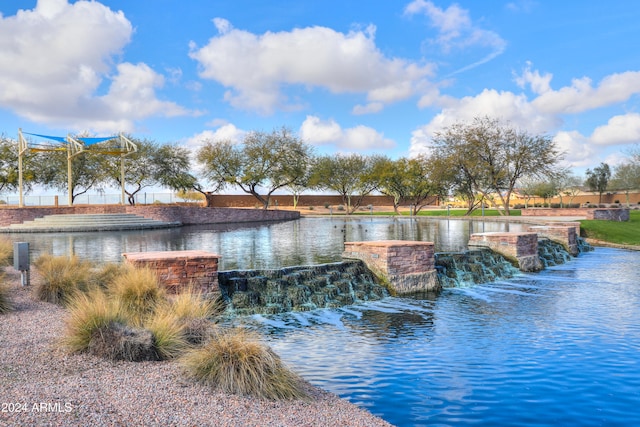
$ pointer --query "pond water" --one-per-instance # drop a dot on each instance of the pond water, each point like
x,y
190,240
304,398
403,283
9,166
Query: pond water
x,y
560,347
307,241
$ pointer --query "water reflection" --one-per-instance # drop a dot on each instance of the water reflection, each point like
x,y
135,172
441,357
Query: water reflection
x,y
306,241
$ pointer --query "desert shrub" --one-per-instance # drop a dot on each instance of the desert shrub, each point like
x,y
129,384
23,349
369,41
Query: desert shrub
x,y
311,208
6,252
5,300
88,313
119,341
104,275
138,293
235,361
326,205
62,278
193,312
168,334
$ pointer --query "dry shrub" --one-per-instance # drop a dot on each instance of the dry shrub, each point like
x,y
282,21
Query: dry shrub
x,y
235,361
118,341
88,313
104,275
5,300
6,252
62,278
168,334
193,312
138,293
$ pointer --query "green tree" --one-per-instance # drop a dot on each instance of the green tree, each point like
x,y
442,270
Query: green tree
x,y
545,190
352,176
8,164
598,179
409,181
263,162
87,172
626,177
490,157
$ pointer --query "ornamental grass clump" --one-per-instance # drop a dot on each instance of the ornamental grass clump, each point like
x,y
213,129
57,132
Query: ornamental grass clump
x,y
168,335
62,278
5,300
6,252
193,312
104,275
138,292
88,314
235,361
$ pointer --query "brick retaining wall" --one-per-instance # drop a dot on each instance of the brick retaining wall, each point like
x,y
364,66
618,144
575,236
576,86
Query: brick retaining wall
x,y
178,270
187,215
520,248
611,214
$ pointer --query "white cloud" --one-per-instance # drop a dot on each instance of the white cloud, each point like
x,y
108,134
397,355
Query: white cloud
x,y
254,67
226,132
55,57
539,83
623,129
579,151
327,132
456,31
583,96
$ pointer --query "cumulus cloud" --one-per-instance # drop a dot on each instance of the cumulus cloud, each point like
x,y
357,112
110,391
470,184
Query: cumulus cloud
x,y
624,129
255,67
226,132
328,132
456,31
54,59
583,96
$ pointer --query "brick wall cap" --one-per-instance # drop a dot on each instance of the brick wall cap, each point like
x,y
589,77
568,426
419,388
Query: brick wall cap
x,y
390,243
504,233
155,255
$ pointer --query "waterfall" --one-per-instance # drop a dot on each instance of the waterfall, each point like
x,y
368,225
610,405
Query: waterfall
x,y
552,253
302,288
583,246
459,269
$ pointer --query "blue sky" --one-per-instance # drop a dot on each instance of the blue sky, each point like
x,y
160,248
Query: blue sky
x,y
348,75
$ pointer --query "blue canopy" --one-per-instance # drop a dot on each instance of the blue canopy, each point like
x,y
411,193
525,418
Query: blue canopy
x,y
53,138
86,141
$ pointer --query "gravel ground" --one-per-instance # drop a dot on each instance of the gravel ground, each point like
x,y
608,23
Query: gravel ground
x,y
42,385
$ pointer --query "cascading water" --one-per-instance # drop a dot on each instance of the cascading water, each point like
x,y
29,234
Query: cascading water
x,y
552,253
583,246
303,288
458,269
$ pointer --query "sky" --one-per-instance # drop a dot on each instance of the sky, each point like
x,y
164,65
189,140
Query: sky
x,y
347,76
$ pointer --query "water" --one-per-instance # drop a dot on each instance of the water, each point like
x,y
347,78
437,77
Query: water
x,y
308,241
560,347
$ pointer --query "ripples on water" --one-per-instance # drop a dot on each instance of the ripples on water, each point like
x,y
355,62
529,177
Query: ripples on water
x,y
561,347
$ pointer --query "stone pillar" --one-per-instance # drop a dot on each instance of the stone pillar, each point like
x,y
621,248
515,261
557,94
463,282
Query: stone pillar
x,y
403,266
565,235
519,248
178,270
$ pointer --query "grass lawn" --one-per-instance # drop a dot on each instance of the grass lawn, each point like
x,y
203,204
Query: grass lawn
x,y
625,233
443,212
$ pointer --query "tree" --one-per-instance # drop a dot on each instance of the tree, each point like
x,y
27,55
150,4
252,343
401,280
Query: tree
x,y
570,185
264,161
545,189
352,176
87,172
9,176
490,157
598,179
408,181
626,177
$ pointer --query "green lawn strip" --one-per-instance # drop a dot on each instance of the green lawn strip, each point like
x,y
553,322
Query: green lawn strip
x,y
624,233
